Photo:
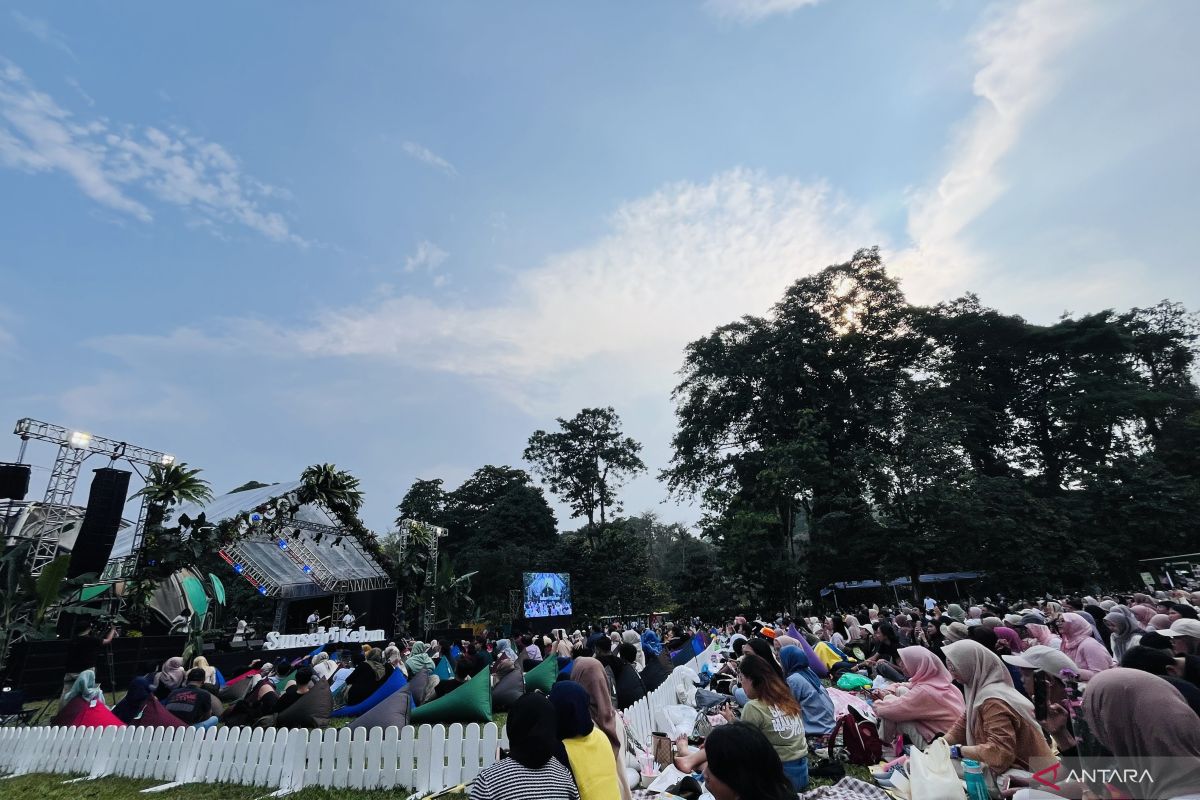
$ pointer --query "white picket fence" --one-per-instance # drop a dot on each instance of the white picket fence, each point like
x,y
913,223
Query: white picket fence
x,y
421,760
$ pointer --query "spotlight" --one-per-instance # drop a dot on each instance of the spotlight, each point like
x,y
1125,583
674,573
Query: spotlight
x,y
255,517
283,544
80,440
153,562
167,460
262,590
306,569
238,568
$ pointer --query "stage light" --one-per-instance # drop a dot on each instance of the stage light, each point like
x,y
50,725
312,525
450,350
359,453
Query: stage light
x,y
296,533
283,544
153,563
80,440
167,460
317,538
238,568
255,518
337,542
306,569
262,590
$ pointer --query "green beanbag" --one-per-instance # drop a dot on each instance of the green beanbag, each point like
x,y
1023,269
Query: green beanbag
x,y
542,676
471,702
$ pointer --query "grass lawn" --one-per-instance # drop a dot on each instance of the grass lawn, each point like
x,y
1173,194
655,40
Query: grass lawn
x,y
51,787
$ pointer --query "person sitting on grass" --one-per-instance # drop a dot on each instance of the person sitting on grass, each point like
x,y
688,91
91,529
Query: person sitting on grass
x,y
192,703
531,769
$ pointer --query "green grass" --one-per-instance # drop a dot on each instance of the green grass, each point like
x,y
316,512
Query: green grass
x,y
51,787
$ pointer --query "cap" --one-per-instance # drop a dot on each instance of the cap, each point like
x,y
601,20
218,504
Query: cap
x,y
1019,661
1183,627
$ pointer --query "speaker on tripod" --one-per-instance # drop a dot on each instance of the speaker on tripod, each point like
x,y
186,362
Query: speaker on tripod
x,y
106,501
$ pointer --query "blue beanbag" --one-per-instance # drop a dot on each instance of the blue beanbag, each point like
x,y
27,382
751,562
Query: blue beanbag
x,y
220,678
442,669
394,683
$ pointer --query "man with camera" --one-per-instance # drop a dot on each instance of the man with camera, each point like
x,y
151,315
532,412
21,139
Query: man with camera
x,y
83,652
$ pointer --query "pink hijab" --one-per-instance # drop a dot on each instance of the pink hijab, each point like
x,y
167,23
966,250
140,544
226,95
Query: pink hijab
x,y
1144,613
1015,645
932,702
1078,644
1042,634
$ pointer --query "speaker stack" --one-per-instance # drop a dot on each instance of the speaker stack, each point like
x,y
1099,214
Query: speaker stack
x,y
106,501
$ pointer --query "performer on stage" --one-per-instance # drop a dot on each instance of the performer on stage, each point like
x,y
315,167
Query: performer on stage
x,y
313,620
348,619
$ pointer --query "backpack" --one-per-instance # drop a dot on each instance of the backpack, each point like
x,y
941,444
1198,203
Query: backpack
x,y
860,739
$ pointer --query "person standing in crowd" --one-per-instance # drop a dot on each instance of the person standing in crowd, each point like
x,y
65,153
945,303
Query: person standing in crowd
x,y
82,654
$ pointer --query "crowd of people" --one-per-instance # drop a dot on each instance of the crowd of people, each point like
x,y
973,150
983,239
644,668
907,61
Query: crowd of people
x,y
1015,686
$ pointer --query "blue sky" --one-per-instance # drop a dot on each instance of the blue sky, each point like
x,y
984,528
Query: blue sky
x,y
403,237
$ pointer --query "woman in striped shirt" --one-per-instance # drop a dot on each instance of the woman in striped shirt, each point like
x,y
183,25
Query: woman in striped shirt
x,y
531,771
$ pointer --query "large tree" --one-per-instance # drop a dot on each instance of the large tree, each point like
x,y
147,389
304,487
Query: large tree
x,y
586,461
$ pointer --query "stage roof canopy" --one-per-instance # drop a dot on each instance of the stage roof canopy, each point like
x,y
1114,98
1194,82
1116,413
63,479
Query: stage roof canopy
x,y
346,567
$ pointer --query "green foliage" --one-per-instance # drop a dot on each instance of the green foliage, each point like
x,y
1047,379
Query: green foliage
x,y
586,461
851,435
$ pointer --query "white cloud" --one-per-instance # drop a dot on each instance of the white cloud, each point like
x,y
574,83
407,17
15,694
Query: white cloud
x,y
427,156
428,257
41,30
119,398
110,164
1017,49
672,266
751,11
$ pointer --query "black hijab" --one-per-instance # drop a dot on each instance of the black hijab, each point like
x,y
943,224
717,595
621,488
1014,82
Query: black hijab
x,y
134,700
532,731
571,706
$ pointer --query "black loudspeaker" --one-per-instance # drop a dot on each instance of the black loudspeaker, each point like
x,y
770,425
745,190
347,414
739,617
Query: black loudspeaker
x,y
14,481
106,501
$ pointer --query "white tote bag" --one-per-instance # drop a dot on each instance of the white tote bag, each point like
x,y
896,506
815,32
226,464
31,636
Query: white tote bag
x,y
931,774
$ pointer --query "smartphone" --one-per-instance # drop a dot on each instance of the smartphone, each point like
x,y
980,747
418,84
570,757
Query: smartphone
x,y
1041,688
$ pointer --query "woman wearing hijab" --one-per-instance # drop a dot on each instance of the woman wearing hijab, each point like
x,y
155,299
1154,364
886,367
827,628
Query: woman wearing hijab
x,y
419,660
955,612
589,673
128,707
1124,630
1008,640
928,704
998,727
631,637
169,678
367,677
589,754
531,770
1143,613
1145,722
1081,647
814,700
562,647
84,705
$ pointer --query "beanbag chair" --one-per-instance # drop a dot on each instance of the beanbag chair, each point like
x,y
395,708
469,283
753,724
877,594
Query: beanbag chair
x,y
220,678
442,669
394,683
421,688
313,710
654,673
564,668
508,690
392,712
471,702
154,715
814,661
684,654
541,677
829,655
81,713
241,677
234,690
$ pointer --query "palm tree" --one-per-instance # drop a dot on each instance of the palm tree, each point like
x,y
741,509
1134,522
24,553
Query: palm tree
x,y
170,485
334,487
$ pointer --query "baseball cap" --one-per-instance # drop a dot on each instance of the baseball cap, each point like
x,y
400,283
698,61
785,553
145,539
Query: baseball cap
x,y
1183,627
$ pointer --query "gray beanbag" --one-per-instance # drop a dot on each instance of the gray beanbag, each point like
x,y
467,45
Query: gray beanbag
x,y
391,712
508,690
310,711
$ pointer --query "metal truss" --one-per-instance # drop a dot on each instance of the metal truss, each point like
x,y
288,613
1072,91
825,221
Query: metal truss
x,y
259,577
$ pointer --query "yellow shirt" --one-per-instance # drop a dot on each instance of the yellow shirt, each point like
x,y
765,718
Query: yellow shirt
x,y
594,766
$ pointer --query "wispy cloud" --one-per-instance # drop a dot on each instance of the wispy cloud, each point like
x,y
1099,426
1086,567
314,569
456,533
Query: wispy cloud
x,y
427,156
41,30
751,11
428,258
1016,50
74,84
673,265
125,167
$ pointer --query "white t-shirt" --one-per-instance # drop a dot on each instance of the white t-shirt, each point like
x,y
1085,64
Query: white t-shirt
x,y
348,620
312,618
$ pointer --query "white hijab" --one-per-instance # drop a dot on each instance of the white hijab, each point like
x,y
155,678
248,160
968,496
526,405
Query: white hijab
x,y
984,677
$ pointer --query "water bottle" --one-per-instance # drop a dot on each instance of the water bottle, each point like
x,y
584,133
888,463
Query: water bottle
x,y
976,782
